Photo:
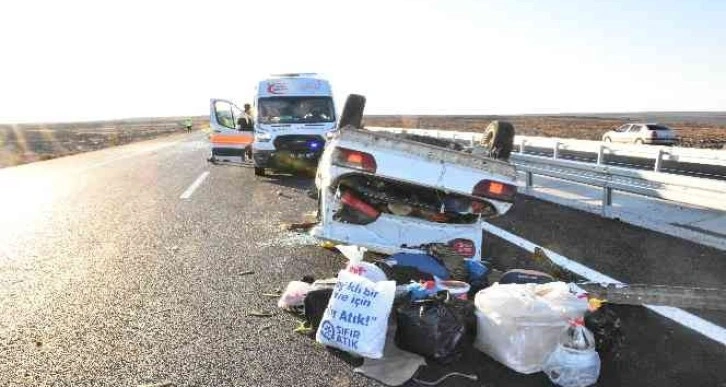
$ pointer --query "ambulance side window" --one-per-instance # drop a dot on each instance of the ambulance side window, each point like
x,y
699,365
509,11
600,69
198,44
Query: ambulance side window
x,y
223,110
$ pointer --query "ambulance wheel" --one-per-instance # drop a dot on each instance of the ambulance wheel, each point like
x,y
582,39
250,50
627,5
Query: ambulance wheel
x,y
259,171
353,111
499,139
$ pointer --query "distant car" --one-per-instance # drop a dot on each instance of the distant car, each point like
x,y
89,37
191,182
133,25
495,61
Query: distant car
x,y
642,133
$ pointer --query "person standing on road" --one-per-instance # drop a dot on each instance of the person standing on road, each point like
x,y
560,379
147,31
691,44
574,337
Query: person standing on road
x,y
188,124
246,121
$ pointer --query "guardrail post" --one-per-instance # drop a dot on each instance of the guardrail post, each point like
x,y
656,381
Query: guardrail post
x,y
601,154
556,150
472,142
658,160
528,181
521,146
607,198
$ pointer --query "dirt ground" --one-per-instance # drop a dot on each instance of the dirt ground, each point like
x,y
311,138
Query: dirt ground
x,y
706,131
24,143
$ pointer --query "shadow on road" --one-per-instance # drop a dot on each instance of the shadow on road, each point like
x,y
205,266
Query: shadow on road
x,y
291,181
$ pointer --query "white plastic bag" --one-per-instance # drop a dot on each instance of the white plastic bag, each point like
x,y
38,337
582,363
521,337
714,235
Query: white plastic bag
x,y
356,319
519,324
294,295
574,363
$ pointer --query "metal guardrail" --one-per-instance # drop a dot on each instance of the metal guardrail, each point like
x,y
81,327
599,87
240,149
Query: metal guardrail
x,y
699,191
651,152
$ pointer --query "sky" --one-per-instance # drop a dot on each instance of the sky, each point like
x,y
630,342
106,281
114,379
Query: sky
x,y
80,60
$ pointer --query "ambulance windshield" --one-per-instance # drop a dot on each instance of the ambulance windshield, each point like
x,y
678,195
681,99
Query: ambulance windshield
x,y
289,110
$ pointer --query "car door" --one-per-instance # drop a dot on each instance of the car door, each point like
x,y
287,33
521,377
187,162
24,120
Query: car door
x,y
634,134
228,140
621,133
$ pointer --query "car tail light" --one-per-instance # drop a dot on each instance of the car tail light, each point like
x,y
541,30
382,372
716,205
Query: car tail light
x,y
463,247
354,159
495,190
350,200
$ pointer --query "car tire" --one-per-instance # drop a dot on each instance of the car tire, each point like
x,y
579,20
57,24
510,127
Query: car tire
x,y
607,139
260,171
499,139
353,111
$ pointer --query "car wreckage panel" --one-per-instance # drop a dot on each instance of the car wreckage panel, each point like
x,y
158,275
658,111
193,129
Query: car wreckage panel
x,y
404,194
390,233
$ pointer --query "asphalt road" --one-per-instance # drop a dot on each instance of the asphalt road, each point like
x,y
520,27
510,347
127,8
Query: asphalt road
x,y
688,169
109,278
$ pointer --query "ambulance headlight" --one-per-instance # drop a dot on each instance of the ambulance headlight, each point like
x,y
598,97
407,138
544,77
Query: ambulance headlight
x,y
263,136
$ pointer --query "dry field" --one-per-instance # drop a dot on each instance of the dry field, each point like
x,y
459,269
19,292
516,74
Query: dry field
x,y
23,143
707,130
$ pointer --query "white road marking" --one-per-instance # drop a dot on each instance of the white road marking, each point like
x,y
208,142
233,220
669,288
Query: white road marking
x,y
188,193
704,327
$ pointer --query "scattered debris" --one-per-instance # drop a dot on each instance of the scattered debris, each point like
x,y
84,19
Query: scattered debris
x,y
356,318
264,328
447,324
396,367
441,379
304,328
258,313
519,324
293,296
160,384
248,272
284,195
298,227
574,363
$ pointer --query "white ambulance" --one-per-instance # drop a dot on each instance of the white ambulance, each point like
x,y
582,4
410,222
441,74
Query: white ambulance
x,y
295,114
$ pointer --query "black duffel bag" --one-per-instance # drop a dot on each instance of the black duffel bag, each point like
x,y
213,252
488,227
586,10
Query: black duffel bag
x,y
440,328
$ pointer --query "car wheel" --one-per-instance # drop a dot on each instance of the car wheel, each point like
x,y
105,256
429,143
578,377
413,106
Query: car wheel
x,y
638,141
499,139
259,171
353,111
607,139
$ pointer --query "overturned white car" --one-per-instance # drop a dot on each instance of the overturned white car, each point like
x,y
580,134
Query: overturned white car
x,y
396,192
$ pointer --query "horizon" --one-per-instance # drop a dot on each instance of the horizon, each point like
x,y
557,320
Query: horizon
x,y
418,58
606,115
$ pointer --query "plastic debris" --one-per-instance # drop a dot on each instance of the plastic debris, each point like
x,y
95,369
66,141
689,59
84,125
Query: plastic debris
x,y
293,296
574,362
519,324
357,315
